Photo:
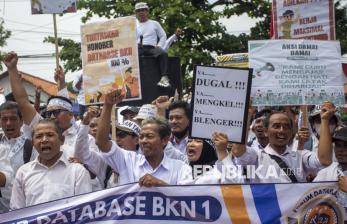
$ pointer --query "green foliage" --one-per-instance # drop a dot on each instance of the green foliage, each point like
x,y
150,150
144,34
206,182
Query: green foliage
x,y
4,34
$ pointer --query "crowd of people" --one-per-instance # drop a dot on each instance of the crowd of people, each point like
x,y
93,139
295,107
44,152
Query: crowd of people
x,y
51,154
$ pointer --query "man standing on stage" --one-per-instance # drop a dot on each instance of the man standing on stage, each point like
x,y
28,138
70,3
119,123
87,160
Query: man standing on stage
x,y
148,34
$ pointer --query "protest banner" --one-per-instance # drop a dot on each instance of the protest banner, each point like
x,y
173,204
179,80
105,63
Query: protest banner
x,y
222,204
303,19
52,6
296,72
110,59
220,102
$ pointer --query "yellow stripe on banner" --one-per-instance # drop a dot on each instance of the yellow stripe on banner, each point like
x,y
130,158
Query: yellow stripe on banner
x,y
233,199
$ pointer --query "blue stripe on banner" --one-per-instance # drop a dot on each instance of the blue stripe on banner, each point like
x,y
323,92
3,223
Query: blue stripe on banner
x,y
266,203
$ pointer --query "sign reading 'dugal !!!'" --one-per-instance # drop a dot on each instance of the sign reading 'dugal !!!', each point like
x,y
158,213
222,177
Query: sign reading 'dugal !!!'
x,y
220,102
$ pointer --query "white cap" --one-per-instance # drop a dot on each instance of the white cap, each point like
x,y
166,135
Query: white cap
x,y
130,126
146,111
141,5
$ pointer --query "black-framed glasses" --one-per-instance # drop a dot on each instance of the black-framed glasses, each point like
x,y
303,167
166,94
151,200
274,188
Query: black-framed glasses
x,y
123,134
48,114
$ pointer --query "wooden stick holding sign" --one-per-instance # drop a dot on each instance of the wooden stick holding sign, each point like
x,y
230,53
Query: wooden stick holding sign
x,y
220,102
56,45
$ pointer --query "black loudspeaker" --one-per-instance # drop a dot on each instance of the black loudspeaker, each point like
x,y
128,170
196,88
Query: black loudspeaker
x,y
149,72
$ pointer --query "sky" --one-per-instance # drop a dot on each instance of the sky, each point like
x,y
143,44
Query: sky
x,y
28,32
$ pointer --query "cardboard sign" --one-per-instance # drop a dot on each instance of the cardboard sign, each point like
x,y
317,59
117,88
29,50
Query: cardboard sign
x,y
52,6
220,102
110,59
304,19
296,72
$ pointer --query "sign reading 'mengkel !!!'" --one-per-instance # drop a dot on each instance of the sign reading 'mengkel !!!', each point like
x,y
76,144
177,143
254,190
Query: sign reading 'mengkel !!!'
x,y
220,102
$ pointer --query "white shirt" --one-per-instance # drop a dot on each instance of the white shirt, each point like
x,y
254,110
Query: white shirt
x,y
11,158
89,154
35,183
2,98
80,95
151,31
330,173
169,42
173,153
256,145
132,166
302,163
182,146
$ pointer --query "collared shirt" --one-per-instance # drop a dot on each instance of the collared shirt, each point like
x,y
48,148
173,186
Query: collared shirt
x,y
69,134
256,145
173,153
150,31
330,173
132,166
11,158
36,183
182,145
302,163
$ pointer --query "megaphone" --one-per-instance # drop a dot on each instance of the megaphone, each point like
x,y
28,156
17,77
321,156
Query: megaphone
x,y
267,67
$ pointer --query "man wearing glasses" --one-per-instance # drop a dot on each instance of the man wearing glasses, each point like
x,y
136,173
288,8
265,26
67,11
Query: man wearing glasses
x,y
58,108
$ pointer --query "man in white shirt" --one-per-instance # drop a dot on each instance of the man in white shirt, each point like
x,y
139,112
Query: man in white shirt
x,y
59,108
285,164
179,112
260,141
51,176
15,150
148,33
153,167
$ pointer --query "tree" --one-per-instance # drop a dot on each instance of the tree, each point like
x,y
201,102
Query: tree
x,y
4,35
203,34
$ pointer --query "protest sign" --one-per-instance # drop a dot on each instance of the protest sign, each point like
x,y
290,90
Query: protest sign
x,y
304,19
296,72
220,102
52,6
223,204
110,59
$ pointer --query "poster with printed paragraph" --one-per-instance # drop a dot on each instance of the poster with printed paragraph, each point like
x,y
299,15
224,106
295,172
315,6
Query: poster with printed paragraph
x,y
220,102
110,59
304,19
296,72
52,6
